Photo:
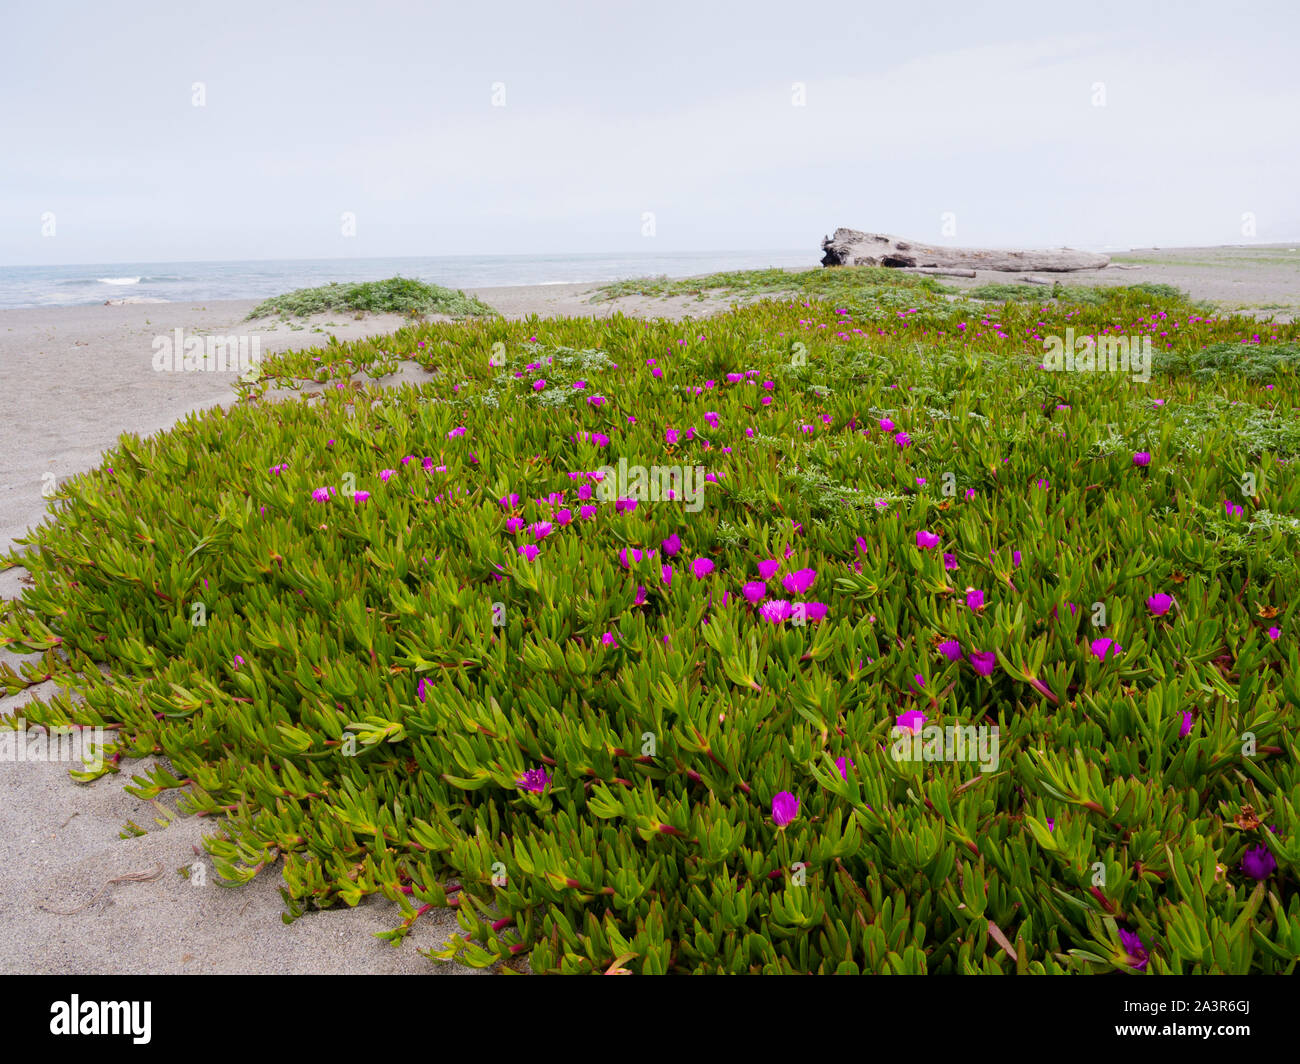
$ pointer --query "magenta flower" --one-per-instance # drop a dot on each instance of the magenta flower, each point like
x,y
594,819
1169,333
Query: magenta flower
x,y
812,611
1274,633
1159,604
459,430
767,569
420,689
950,562
609,640
360,496
983,661
509,501
926,540
842,763
1101,647
586,513
799,581
755,591
1142,458
666,575
1259,863
579,385
886,424
1185,729
538,385
785,807
237,661
541,529
913,720
563,517
514,524
776,611
1233,510
672,544
1137,954
950,649
701,567
974,599
671,436
384,474
321,494
529,551
534,779
903,439
625,506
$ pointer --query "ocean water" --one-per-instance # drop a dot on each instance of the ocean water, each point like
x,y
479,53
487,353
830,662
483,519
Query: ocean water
x,y
178,282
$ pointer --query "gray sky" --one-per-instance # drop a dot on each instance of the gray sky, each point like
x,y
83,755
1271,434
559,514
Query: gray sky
x,y
686,110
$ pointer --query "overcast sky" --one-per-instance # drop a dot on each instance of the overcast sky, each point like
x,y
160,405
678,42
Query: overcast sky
x,y
989,111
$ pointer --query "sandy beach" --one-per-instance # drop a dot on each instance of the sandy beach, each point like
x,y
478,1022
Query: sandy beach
x,y
75,378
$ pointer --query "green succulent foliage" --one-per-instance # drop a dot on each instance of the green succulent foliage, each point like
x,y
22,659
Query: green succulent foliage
x,y
353,689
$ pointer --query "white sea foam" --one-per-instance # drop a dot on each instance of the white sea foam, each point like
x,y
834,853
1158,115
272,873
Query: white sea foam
x,y
118,280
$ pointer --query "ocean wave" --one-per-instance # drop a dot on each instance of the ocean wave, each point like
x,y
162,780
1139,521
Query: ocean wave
x,y
118,280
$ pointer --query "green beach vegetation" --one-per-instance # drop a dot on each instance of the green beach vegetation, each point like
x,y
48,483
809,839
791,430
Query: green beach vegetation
x,y
435,642
396,295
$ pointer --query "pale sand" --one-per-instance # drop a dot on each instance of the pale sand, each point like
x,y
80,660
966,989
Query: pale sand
x,y
73,379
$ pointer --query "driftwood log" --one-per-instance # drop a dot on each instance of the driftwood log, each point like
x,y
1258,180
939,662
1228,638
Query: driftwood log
x,y
848,247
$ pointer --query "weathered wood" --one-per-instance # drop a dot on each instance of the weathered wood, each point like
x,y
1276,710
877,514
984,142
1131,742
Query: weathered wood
x,y
849,247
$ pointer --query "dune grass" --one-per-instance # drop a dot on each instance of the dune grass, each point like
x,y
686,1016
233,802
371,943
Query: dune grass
x,y
396,295
441,662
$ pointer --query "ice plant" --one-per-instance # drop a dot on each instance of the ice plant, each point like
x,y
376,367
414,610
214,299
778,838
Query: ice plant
x,y
1259,863
799,581
1136,953
785,807
1159,604
534,779
913,720
926,540
1103,646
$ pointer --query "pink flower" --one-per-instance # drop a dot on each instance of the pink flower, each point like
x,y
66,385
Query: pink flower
x,y
903,439
666,575
384,474
528,550
1142,458
1185,729
950,649
321,494
541,529
950,562
886,424
799,581
842,764
776,611
420,689
983,661
1274,633
701,567
586,513
609,640
785,807
1159,604
925,540
974,599
538,385
360,496
767,569
913,720
1101,647
672,545
535,780
755,591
